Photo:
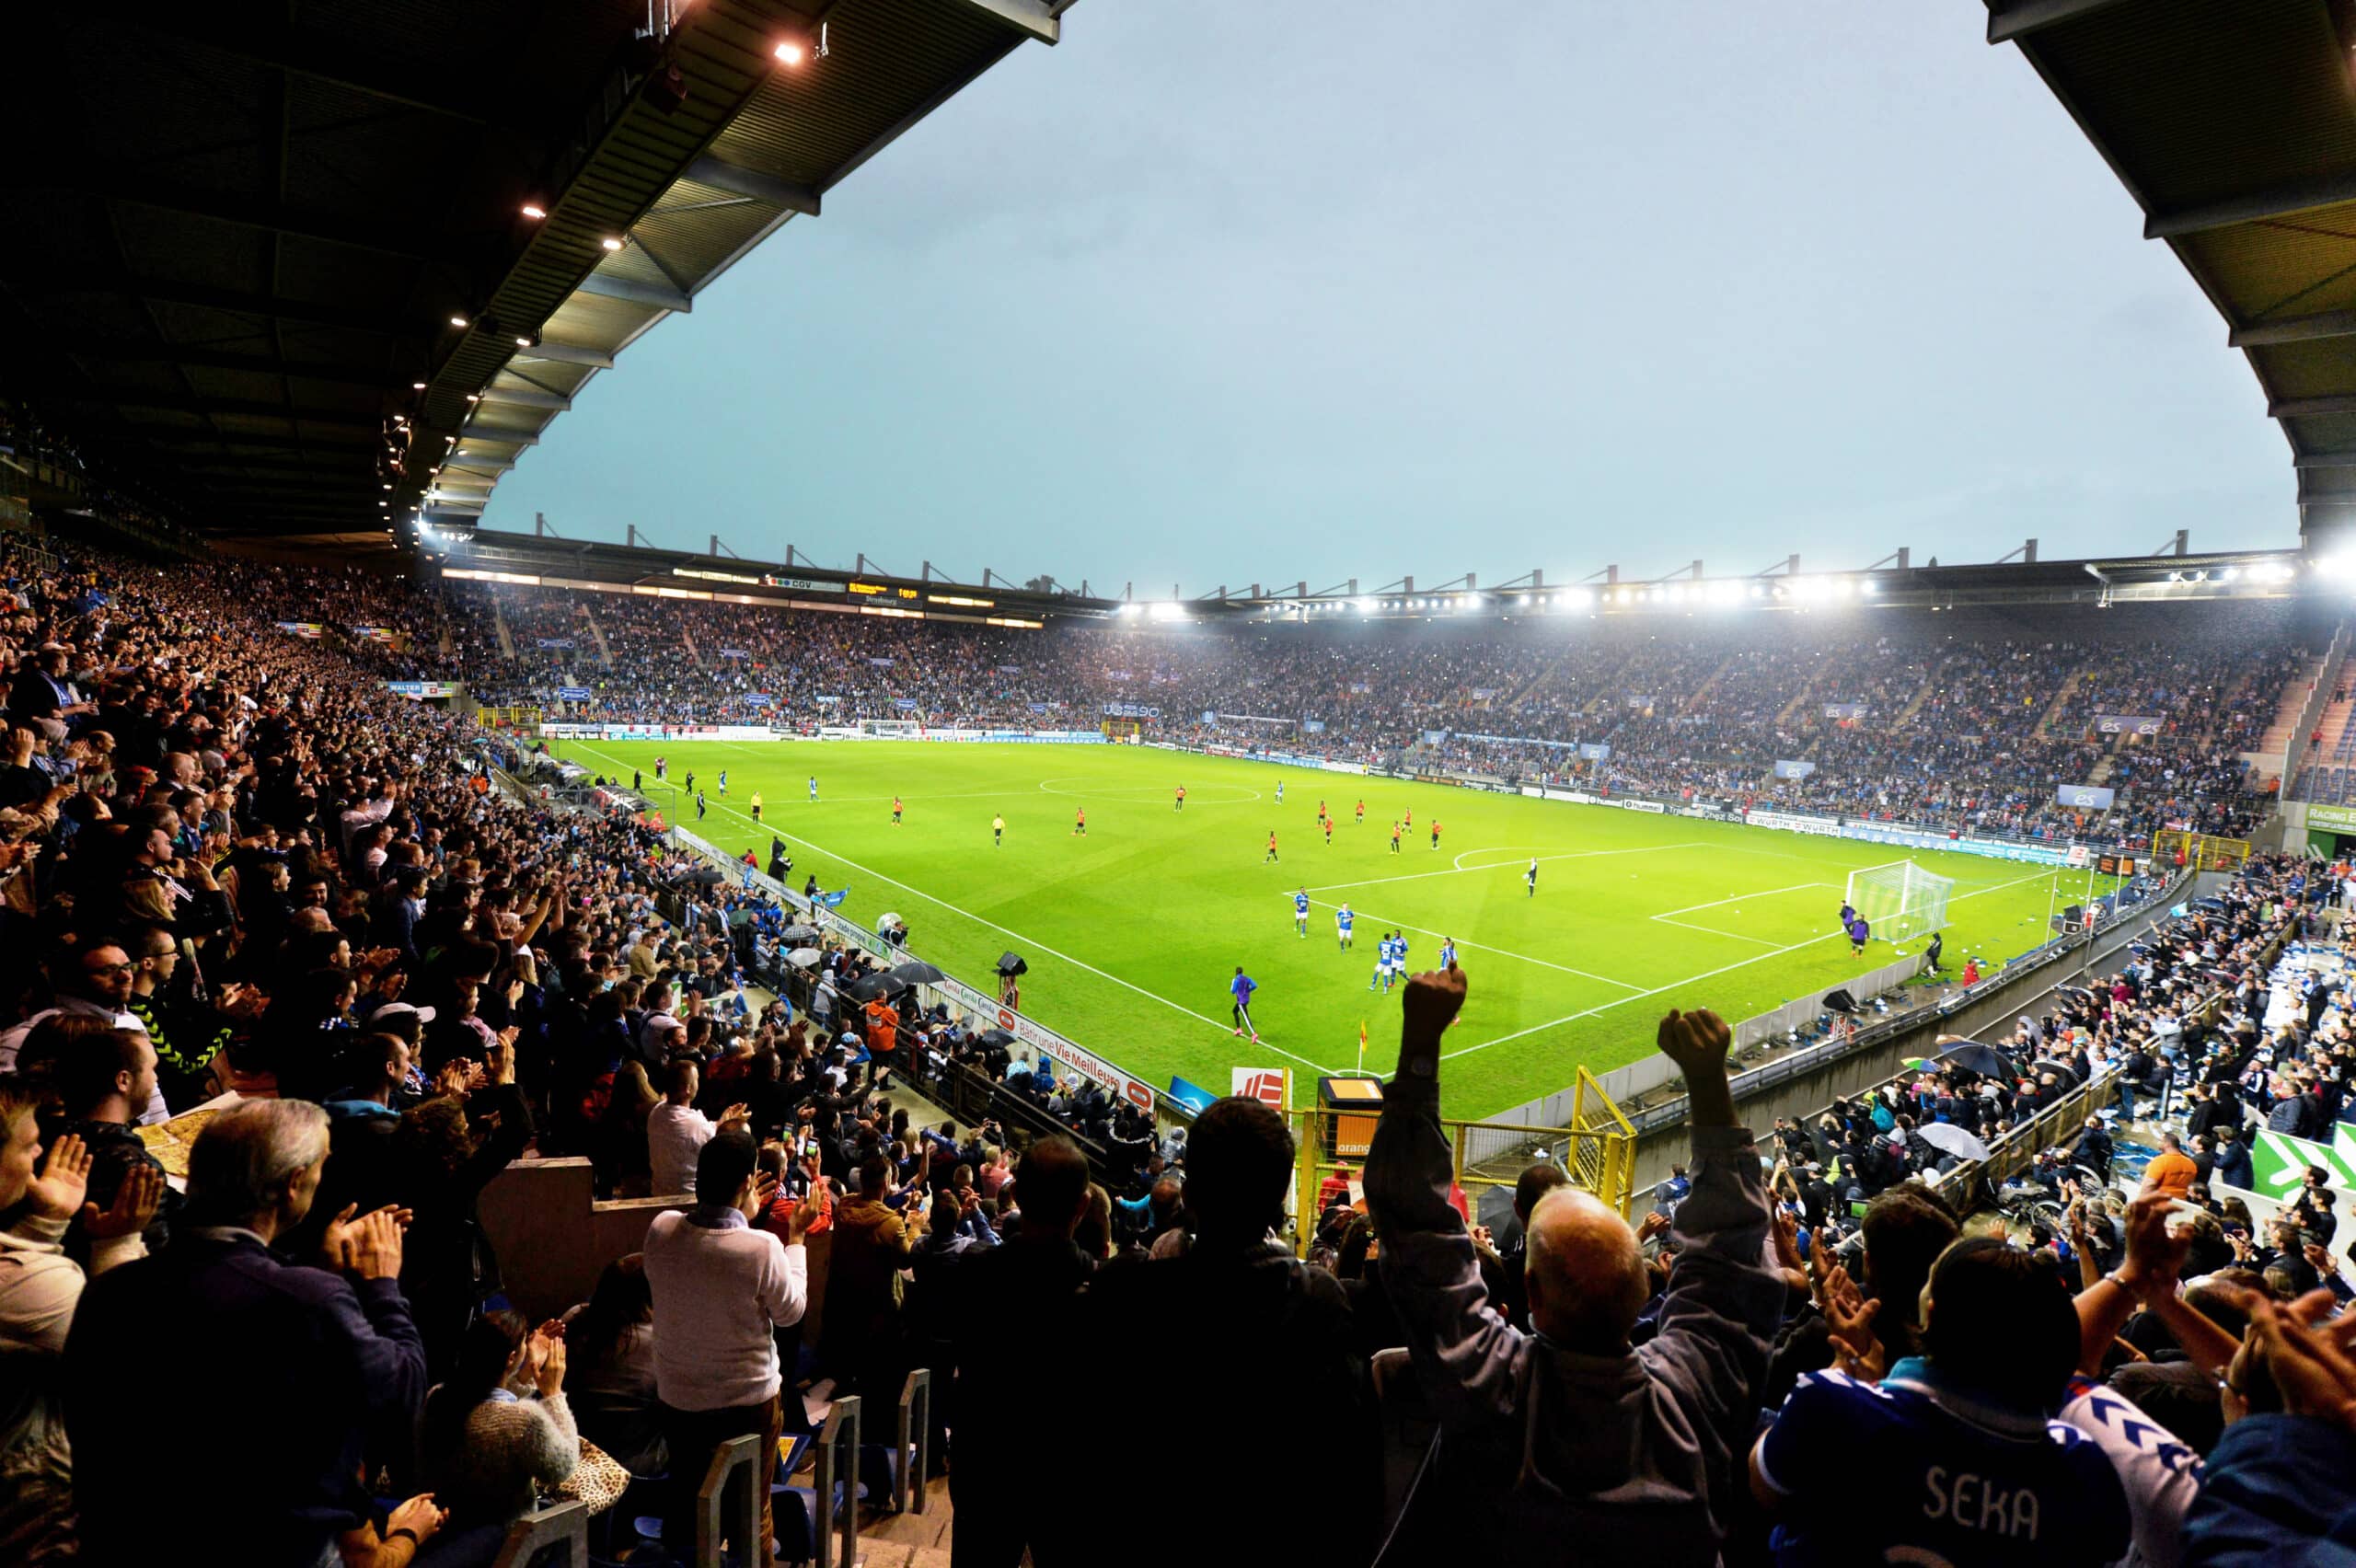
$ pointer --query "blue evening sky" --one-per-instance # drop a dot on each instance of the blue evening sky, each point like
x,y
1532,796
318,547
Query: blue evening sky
x,y
1355,288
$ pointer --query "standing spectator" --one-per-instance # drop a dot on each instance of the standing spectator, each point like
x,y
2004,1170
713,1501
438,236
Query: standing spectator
x,y
1570,1431
721,1289
610,1340
1237,1297
859,1341
677,1132
325,1358
2171,1170
1005,1303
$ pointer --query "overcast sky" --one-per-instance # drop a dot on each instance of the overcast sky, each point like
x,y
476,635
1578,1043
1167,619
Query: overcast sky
x,y
1352,289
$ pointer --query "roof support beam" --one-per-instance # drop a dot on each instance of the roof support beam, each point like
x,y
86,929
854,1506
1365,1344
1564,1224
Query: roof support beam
x,y
166,402
2280,201
159,291
2310,407
630,289
1031,18
2294,329
2324,460
260,41
722,175
138,189
566,353
122,352
527,399
2023,17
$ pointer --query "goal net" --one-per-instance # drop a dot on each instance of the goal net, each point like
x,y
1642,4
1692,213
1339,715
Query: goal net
x,y
1899,901
909,728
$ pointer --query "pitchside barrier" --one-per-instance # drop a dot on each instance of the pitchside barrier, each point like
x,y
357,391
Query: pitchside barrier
x,y
1596,1148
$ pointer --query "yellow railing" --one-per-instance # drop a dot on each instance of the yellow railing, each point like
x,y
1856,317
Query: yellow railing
x,y
1598,1151
2201,851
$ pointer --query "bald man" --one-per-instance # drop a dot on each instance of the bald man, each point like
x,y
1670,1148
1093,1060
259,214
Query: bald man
x,y
1569,1432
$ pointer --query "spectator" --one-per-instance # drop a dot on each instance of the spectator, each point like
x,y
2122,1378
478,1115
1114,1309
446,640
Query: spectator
x,y
1238,1296
1006,1302
40,1288
488,1453
2171,1170
677,1132
1951,1456
325,1356
1571,1428
609,1346
721,1290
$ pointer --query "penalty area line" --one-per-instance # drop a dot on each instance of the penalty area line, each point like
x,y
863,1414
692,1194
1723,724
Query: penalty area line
x,y
1708,974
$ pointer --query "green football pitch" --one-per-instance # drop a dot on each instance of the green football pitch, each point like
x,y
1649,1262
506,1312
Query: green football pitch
x,y
1132,931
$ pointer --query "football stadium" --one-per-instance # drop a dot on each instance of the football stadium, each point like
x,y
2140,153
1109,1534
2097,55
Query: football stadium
x,y
1712,925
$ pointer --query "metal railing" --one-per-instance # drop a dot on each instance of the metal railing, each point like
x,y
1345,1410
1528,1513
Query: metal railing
x,y
915,1431
836,1468
565,1524
1599,1154
739,1455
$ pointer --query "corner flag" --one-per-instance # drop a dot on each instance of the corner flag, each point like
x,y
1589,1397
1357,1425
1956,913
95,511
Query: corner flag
x,y
1361,1044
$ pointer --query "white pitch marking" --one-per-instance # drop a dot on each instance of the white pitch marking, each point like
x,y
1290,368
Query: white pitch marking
x,y
1710,974
1505,865
1002,931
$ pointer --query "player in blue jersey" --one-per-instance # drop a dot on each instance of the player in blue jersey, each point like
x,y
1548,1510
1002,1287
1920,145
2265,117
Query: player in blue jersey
x,y
724,783
1342,919
1301,913
1399,958
1381,964
1448,952
813,793
1280,791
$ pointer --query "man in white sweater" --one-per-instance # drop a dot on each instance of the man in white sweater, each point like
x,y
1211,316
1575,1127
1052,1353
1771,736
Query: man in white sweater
x,y
676,1131
721,1289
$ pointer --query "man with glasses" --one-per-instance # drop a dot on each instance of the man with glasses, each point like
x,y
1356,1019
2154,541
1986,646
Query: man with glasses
x,y
187,1037
93,976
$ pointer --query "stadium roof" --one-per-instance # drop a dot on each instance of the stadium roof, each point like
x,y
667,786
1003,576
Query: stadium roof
x,y
2234,126
245,235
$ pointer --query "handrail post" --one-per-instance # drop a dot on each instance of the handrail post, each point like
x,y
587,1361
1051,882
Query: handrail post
x,y
738,1453
566,1524
837,1438
915,1434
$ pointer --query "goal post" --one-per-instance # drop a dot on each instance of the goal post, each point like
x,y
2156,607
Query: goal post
x,y
899,729
1899,901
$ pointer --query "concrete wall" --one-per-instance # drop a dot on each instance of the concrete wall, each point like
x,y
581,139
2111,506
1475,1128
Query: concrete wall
x,y
553,1238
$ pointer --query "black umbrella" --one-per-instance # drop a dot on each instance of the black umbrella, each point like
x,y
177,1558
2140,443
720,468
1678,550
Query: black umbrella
x,y
916,973
995,1037
795,934
868,988
1974,1057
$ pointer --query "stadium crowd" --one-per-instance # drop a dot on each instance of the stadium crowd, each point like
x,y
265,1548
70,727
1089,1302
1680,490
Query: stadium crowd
x,y
235,865
1970,727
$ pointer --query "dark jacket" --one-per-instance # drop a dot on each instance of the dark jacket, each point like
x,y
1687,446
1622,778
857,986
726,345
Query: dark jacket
x,y
1310,1419
317,1363
2275,1492
1546,1444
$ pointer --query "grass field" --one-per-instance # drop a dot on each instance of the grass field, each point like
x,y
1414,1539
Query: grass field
x,y
1132,931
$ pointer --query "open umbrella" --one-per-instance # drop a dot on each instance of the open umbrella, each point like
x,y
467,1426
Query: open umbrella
x,y
888,918
1949,1138
869,988
918,974
1974,1057
800,934
996,1037
802,958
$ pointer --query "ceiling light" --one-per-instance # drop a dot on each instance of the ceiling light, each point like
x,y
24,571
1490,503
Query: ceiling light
x,y
417,386
388,486
534,210
474,397
457,321
523,342
610,243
